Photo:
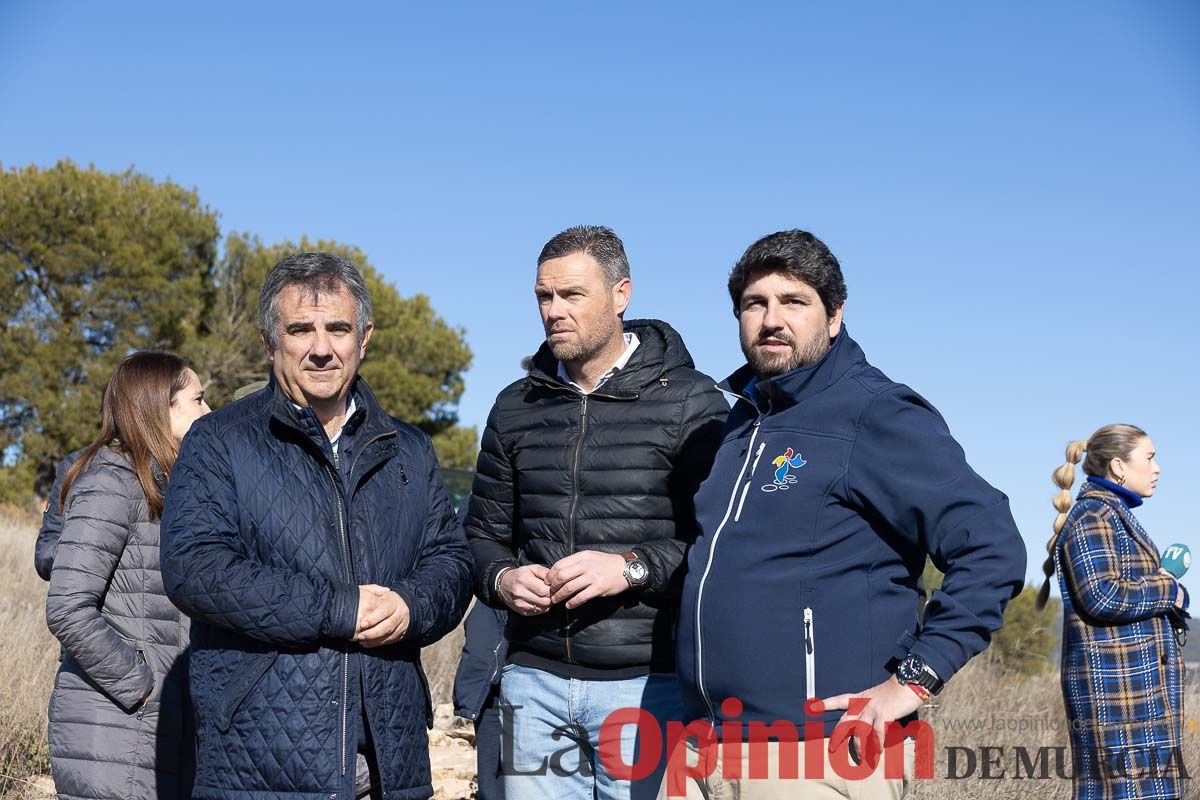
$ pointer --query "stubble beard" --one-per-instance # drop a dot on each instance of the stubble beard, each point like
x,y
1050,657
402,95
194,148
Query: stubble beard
x,y
584,345
580,349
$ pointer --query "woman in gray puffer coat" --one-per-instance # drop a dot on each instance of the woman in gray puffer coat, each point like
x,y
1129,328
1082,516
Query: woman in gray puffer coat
x,y
119,714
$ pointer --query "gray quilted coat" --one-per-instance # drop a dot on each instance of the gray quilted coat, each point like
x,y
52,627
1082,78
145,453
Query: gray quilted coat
x,y
123,639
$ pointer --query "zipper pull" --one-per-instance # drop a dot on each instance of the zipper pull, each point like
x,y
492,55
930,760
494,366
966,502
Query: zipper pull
x,y
403,475
810,659
583,407
754,467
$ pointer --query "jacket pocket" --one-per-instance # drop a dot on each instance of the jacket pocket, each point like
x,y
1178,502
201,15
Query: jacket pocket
x,y
810,656
252,669
1130,661
140,659
749,480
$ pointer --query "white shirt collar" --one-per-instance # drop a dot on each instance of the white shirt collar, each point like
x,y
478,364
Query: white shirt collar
x,y
350,409
631,344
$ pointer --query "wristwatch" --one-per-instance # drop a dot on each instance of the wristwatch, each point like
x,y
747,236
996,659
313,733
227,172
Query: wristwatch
x,y
636,571
913,669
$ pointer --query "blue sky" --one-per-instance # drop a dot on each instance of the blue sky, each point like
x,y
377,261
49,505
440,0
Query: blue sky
x,y
1011,188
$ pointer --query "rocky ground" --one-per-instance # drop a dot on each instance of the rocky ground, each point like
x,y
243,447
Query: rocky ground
x,y
451,757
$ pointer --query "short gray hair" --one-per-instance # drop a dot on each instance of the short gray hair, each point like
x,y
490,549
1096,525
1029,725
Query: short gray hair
x,y
597,241
316,272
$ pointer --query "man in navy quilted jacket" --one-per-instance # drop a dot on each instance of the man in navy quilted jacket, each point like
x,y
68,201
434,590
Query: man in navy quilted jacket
x,y
309,537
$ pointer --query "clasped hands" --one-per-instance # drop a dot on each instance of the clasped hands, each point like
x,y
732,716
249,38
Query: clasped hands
x,y
383,616
582,576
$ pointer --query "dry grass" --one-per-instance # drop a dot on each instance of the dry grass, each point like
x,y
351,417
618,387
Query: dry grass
x,y
28,657
440,662
982,707
985,707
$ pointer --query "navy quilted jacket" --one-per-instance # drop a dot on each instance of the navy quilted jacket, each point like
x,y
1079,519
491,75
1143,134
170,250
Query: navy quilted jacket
x,y
263,545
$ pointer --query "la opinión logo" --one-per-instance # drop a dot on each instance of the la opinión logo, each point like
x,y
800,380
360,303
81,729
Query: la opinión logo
x,y
755,736
803,756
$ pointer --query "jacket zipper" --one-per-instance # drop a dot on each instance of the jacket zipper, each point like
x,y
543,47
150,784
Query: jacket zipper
x,y
140,658
345,543
749,480
559,387
810,656
712,546
349,574
571,512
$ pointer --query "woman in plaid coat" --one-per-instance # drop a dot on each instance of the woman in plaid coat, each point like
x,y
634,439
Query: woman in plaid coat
x,y
1122,671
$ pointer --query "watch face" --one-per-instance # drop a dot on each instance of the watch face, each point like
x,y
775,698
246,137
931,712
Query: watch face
x,y
910,669
637,571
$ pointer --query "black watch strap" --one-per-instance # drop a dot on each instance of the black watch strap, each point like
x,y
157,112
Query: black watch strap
x,y
913,669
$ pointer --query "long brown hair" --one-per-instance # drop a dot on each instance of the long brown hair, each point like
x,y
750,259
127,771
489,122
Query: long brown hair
x,y
1109,442
135,419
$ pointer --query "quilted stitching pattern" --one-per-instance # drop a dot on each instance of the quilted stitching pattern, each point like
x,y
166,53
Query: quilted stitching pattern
x,y
252,551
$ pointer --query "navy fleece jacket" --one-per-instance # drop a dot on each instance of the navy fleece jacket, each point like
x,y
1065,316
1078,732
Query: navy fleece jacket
x,y
831,486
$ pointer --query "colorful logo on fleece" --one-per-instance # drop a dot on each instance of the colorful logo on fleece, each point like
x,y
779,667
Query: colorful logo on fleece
x,y
784,464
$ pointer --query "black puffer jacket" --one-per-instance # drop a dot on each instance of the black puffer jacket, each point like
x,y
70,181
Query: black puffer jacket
x,y
613,471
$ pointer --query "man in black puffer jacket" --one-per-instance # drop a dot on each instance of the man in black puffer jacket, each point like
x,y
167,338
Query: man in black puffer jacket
x,y
580,517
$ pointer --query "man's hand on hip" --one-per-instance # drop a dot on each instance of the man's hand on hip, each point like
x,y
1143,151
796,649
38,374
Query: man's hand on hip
x,y
524,590
383,616
887,702
581,576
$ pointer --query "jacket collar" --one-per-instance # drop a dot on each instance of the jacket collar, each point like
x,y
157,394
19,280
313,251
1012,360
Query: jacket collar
x,y
660,350
1130,499
110,455
367,423
1091,490
772,395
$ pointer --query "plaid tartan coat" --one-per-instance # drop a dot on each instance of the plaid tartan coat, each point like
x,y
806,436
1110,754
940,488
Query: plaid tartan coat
x,y
1122,669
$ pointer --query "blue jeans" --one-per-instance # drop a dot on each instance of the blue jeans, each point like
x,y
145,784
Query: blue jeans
x,y
552,734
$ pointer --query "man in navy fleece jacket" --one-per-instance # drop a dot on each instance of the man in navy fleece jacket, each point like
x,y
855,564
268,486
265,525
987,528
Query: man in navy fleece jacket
x,y
832,485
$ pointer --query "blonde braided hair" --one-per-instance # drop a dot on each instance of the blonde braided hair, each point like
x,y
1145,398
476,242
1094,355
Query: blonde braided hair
x,y
1107,443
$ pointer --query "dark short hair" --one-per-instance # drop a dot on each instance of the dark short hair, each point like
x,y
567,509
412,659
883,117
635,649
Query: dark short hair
x,y
316,272
597,241
797,254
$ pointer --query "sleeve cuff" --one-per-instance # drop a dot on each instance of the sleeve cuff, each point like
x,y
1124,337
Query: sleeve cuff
x,y
343,611
130,700
413,623
934,661
492,596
